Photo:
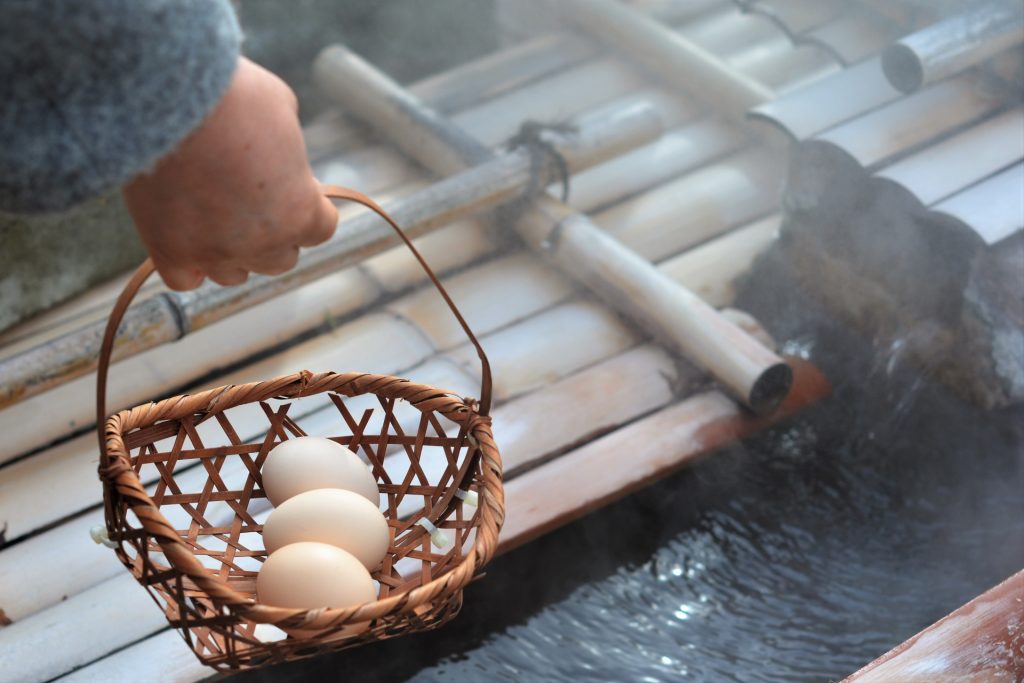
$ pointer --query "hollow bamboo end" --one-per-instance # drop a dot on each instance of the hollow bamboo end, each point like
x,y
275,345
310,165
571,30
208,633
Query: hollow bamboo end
x,y
770,389
903,68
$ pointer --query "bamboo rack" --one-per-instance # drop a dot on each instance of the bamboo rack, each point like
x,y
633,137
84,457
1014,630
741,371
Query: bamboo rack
x,y
637,373
170,316
597,348
630,284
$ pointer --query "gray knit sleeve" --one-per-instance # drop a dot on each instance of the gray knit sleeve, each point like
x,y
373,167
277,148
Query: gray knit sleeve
x,y
94,91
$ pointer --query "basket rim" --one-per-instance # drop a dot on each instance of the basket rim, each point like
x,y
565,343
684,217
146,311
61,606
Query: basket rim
x,y
122,484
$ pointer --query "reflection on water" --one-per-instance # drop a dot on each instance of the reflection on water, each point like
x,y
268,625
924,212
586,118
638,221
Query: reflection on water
x,y
798,556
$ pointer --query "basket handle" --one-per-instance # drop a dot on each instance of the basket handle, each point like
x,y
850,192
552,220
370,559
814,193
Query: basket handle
x,y
143,272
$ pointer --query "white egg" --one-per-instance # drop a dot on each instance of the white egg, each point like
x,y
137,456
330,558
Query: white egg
x,y
333,516
314,575
312,462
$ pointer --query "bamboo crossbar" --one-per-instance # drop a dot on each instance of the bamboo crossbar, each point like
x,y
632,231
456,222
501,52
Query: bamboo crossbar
x,y
624,280
172,315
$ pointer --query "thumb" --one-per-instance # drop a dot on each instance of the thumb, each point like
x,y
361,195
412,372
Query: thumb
x,y
179,279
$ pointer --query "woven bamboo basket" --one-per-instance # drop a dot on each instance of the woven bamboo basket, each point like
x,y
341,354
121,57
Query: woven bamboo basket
x,y
197,550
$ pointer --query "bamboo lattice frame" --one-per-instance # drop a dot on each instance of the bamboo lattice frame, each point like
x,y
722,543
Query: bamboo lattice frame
x,y
198,552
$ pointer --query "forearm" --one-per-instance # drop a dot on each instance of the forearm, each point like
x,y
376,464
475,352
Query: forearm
x,y
96,91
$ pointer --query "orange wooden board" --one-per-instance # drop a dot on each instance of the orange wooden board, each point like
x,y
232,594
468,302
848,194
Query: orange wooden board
x,y
982,641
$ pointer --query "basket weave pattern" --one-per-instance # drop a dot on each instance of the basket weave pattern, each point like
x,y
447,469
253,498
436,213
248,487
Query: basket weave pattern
x,y
198,552
201,570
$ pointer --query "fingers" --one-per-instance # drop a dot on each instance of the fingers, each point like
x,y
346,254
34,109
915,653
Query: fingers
x,y
321,224
180,279
281,260
228,276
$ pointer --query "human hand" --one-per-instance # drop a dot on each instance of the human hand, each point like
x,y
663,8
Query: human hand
x,y
237,195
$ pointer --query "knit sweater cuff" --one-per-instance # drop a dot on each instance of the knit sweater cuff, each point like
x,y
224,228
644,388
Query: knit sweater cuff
x,y
95,91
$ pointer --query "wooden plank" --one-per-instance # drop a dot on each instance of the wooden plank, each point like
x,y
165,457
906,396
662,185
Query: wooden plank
x,y
982,641
523,283
961,160
658,445
532,354
911,121
164,656
697,206
827,103
641,379
79,630
87,474
678,151
994,208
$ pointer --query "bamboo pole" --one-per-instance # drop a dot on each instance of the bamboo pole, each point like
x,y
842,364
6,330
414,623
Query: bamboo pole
x,y
463,86
629,283
677,61
172,315
954,44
